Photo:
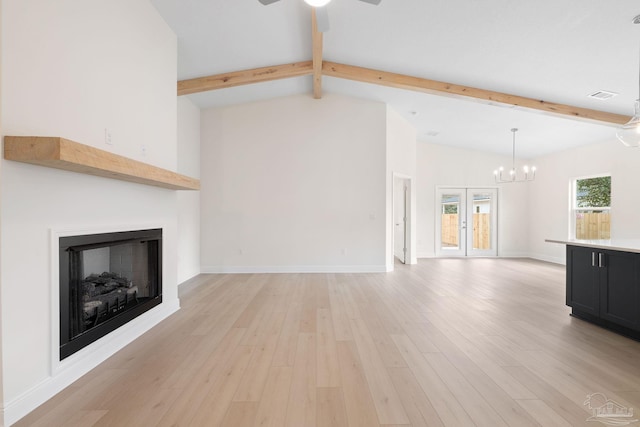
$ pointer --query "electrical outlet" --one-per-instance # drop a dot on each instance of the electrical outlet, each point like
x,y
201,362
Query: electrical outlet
x,y
143,150
108,137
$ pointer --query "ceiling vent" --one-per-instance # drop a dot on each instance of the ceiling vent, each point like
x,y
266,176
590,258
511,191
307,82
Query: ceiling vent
x,y
602,95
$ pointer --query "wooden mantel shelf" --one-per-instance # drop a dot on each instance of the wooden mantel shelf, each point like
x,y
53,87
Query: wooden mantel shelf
x,y
72,156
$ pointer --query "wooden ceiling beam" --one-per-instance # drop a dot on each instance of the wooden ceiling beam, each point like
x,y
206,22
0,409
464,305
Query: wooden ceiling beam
x,y
401,81
316,37
245,77
398,81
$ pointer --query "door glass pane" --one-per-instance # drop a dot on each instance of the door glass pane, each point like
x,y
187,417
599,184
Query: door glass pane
x,y
450,238
482,205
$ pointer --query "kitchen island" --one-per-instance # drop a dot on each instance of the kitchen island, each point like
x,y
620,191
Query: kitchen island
x,y
603,283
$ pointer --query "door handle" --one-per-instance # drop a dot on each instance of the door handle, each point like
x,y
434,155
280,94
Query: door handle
x,y
600,260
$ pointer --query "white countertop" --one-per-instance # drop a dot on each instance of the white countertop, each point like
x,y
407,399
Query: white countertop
x,y
625,245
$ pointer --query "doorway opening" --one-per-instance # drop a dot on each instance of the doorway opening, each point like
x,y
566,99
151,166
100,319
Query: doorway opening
x,y
466,222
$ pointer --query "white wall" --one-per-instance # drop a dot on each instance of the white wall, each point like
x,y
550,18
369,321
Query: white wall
x,y
439,165
401,161
188,201
72,68
550,193
294,184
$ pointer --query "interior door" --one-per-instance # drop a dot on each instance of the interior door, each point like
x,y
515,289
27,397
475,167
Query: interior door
x,y
405,228
466,222
400,207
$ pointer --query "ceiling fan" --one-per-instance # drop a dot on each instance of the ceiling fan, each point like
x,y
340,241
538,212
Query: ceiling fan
x,y
322,16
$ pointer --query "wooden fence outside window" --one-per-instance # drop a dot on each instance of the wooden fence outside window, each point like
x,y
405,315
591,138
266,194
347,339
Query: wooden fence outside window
x,y
588,226
593,225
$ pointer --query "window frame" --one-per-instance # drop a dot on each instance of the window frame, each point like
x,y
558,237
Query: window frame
x,y
574,209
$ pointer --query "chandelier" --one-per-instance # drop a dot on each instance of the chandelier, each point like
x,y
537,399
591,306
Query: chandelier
x,y
528,174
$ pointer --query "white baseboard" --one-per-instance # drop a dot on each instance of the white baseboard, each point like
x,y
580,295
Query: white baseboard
x,y
187,277
546,258
555,260
426,255
514,255
80,363
295,269
508,255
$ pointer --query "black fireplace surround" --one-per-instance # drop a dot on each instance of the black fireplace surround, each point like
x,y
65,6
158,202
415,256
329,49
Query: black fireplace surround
x,y
106,280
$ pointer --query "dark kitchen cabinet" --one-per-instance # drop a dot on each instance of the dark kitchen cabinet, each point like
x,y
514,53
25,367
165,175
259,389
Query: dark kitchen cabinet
x,y
603,286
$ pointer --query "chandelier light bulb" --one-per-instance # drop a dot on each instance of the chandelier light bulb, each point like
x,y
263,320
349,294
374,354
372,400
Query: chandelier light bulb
x,y
317,3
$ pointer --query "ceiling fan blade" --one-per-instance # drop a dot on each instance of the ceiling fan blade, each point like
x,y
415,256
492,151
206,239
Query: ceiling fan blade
x,y
267,2
374,2
322,19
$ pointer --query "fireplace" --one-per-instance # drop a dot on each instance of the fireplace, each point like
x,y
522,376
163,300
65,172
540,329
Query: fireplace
x,y
106,280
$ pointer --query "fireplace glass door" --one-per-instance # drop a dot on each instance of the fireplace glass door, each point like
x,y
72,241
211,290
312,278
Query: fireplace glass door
x,y
106,280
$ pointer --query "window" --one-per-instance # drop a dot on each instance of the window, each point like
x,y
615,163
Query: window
x,y
590,213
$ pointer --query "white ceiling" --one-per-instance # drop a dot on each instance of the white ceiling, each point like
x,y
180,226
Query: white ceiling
x,y
554,50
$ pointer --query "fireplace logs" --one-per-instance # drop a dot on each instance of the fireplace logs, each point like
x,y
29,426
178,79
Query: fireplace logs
x,y
104,295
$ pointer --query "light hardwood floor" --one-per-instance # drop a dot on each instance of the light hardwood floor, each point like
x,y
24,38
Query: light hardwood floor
x,y
453,342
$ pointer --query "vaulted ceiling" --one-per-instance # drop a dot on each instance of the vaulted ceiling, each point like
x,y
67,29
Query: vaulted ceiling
x,y
557,51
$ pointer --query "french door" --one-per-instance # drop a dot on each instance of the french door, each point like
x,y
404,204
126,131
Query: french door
x,y
466,222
